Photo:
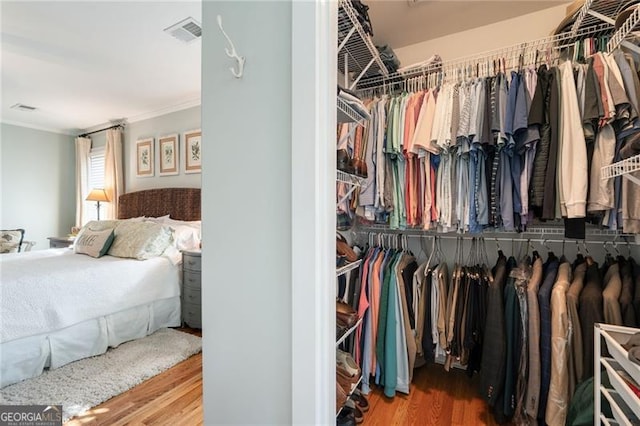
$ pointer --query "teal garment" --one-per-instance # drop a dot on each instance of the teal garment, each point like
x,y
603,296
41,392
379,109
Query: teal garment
x,y
382,315
390,353
582,406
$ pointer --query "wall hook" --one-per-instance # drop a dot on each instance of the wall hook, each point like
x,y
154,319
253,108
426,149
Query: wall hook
x,y
232,53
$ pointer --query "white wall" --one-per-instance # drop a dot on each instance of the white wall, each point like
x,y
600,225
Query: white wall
x,y
37,183
175,122
489,37
246,209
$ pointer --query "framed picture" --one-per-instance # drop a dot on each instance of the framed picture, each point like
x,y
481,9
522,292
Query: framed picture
x,y
193,151
144,155
168,150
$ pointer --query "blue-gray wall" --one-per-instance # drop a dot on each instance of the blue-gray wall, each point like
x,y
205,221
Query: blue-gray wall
x,y
37,186
246,196
175,122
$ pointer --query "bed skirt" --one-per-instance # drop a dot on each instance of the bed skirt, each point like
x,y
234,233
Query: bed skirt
x,y
27,357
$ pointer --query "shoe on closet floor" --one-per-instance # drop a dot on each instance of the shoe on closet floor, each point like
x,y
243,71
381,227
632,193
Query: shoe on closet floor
x,y
351,406
361,401
346,418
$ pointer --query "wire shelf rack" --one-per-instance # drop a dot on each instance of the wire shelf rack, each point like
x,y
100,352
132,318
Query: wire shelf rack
x,y
624,31
348,333
594,12
349,179
346,114
356,51
623,168
348,267
511,53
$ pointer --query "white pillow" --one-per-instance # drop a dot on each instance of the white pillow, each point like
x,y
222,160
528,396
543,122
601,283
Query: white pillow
x,y
186,237
193,223
140,240
159,219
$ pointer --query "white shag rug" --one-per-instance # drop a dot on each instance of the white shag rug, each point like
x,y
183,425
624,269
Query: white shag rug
x,y
83,384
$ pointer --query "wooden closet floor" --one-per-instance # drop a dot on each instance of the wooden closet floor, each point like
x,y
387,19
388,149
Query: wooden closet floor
x,y
436,397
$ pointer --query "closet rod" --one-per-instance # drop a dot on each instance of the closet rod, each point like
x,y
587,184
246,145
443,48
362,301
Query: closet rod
x,y
101,130
502,239
524,240
532,46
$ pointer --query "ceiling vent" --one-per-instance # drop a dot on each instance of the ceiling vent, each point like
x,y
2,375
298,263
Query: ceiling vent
x,y
186,30
23,107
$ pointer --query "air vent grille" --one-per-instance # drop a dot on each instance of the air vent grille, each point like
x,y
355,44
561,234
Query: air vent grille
x,y
186,30
23,107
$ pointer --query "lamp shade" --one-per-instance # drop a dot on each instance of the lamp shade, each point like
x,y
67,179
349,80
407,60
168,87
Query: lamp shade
x,y
97,195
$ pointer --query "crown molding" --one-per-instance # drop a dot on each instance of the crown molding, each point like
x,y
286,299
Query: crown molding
x,y
69,132
166,110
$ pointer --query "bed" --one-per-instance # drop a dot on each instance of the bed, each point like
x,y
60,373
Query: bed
x,y
57,306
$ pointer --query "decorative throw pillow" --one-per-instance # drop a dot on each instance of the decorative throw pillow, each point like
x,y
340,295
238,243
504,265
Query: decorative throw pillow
x,y
94,243
140,240
10,240
100,225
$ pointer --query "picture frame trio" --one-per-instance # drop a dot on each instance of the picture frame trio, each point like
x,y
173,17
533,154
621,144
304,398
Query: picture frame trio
x,y
170,159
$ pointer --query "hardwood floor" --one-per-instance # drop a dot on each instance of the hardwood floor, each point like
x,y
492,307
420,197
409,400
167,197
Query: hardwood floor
x,y
436,397
174,397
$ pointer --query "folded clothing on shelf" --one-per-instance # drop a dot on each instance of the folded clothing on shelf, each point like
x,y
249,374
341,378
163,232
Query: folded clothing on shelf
x,y
388,57
431,62
363,16
354,102
633,348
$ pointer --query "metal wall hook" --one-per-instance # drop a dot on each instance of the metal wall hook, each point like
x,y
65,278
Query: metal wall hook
x,y
232,53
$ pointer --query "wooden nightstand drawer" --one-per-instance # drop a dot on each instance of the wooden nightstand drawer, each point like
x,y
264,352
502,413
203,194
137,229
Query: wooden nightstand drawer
x,y
191,261
191,279
192,315
192,296
191,289
59,242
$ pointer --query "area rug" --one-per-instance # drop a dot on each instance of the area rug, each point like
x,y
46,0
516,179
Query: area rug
x,y
83,384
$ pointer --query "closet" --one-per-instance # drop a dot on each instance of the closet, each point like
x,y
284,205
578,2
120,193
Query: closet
x,y
495,225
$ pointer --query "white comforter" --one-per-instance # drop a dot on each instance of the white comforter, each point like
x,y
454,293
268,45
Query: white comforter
x,y
46,290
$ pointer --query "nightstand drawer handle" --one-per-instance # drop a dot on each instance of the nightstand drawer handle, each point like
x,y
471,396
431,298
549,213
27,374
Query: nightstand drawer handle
x,y
191,262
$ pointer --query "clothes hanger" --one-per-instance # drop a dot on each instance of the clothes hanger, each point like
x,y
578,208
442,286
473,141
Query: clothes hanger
x,y
500,252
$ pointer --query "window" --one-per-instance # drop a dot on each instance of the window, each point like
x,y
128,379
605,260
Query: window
x,y
96,180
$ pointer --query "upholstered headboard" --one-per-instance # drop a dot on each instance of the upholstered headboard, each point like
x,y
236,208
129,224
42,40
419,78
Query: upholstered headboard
x,y
180,203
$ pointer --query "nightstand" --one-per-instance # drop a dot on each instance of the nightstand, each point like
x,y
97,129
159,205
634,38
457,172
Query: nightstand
x,y
191,289
60,242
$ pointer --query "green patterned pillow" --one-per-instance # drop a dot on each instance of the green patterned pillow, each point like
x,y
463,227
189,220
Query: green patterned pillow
x,y
10,240
140,240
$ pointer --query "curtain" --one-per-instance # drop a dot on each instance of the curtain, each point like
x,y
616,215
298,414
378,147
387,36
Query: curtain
x,y
113,177
83,148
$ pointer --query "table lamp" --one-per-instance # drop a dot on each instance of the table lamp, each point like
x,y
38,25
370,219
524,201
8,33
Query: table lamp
x,y
97,195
